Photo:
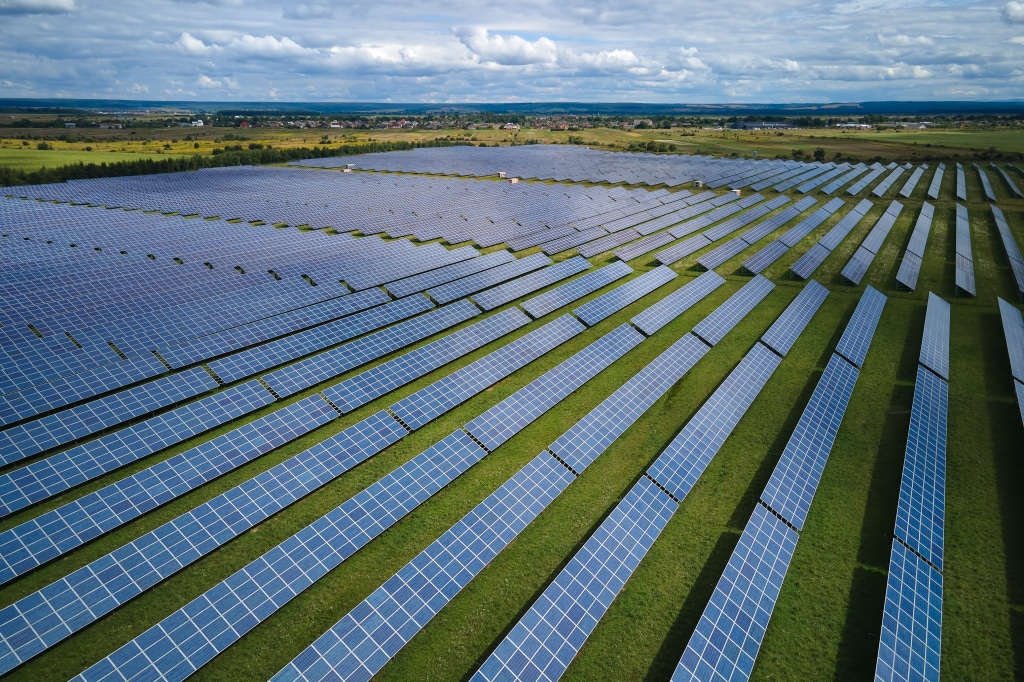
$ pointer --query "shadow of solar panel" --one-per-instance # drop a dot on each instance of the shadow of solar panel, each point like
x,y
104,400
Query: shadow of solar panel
x,y
434,400
677,303
488,278
715,326
546,639
332,363
55,474
40,435
507,418
730,631
231,608
57,532
911,637
856,339
541,305
681,464
38,621
527,284
593,434
935,341
254,360
621,296
448,273
791,488
386,377
367,637
784,332
920,516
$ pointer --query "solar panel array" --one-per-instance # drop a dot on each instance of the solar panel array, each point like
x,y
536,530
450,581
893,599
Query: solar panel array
x,y
889,181
910,268
910,641
858,187
849,176
858,265
714,258
727,638
563,295
1010,184
986,184
1013,331
911,183
961,183
675,253
805,266
546,639
771,253
601,307
1013,252
936,185
964,273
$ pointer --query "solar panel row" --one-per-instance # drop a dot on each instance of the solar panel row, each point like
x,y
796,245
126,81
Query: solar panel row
x,y
986,184
735,246
805,266
1012,250
936,184
964,277
567,293
1010,184
675,304
771,253
489,299
862,259
618,298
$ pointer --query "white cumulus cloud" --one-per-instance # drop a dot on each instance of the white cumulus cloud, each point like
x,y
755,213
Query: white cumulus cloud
x,y
900,40
1014,12
506,50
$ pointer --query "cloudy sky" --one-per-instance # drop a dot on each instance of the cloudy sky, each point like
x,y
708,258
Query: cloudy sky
x,y
524,50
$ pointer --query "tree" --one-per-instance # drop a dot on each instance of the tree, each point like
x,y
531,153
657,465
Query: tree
x,y
819,154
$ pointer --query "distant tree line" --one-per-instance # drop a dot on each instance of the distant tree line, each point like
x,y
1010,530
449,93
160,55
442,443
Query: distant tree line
x,y
235,157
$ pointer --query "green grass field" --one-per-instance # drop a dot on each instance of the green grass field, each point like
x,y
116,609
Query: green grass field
x,y
826,623
34,159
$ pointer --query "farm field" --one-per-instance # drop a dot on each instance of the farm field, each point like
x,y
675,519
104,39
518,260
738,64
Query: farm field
x,y
827,620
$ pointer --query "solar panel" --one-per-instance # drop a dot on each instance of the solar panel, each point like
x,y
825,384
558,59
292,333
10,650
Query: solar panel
x,y
471,284
963,233
805,266
187,639
448,273
490,299
834,237
618,298
781,336
936,184
1020,397
919,238
961,183
858,265
607,243
56,532
730,631
595,432
55,474
507,418
43,618
791,488
935,341
911,183
677,303
757,263
715,326
986,184
368,636
921,514
910,270
444,394
334,362
546,639
569,292
964,276
1013,331
911,639
386,377
681,464
856,338
644,246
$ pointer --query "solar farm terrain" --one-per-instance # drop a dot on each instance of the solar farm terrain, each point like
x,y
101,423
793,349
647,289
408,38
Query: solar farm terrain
x,y
633,417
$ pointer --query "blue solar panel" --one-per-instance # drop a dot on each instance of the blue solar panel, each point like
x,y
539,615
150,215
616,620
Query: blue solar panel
x,y
911,640
187,639
249,362
62,471
56,532
1013,331
507,418
448,273
621,296
725,644
366,638
61,428
921,513
644,246
329,364
856,339
805,266
935,341
963,233
1020,398
964,276
834,237
546,639
961,183
677,303
527,284
541,305
757,263
715,326
781,336
386,377
592,435
434,400
791,488
936,184
858,265
39,620
488,278
679,467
